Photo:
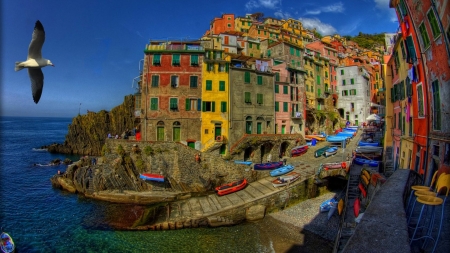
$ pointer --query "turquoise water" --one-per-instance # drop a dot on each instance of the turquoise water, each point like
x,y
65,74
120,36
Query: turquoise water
x,y
43,219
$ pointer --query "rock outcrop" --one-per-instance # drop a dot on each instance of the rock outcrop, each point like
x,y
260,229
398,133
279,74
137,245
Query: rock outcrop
x,y
87,133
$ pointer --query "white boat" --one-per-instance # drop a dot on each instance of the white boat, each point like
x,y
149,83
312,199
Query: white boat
x,y
286,179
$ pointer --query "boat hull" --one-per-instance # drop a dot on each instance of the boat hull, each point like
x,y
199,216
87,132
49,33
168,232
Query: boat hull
x,y
268,166
321,151
371,163
282,170
231,187
152,177
300,150
331,151
286,179
372,144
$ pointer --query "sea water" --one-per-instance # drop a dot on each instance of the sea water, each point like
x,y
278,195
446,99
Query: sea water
x,y
43,219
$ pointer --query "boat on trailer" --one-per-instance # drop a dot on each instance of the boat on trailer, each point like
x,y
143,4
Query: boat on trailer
x,y
231,187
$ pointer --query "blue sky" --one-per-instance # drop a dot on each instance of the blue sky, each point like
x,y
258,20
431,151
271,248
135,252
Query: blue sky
x,y
96,46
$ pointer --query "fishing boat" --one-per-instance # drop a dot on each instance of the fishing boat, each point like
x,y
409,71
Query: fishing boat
x,y
299,150
317,137
7,245
369,149
350,129
267,166
282,170
286,179
332,166
243,162
331,151
349,134
152,177
320,151
353,127
371,163
335,138
231,187
370,156
363,143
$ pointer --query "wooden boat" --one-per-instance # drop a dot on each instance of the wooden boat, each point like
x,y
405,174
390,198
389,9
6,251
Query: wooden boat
x,y
331,151
282,170
317,137
320,151
7,245
371,163
286,179
267,166
152,177
331,166
363,143
299,150
243,162
231,187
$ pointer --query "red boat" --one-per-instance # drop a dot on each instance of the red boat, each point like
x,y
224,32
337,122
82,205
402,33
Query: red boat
x,y
152,177
331,166
231,187
299,150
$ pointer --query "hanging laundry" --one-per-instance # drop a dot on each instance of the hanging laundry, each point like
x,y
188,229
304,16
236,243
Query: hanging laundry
x,y
410,73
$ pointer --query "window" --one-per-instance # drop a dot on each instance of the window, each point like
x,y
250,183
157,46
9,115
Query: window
x,y
411,56
318,79
154,104
160,131
192,104
326,74
209,106
247,77
209,67
424,36
277,77
222,68
291,50
221,85
223,106
259,99
176,60
436,106
342,72
155,81
259,80
173,104
277,106
433,23
208,84
343,82
353,92
194,60
421,107
248,125
174,81
248,99
285,89
345,93
157,60
193,81
352,81
285,107
277,88
403,52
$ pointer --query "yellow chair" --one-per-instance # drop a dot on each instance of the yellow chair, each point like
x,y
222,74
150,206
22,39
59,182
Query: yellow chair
x,y
416,188
431,202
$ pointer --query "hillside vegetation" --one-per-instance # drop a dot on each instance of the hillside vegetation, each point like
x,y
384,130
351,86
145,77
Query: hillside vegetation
x,y
368,41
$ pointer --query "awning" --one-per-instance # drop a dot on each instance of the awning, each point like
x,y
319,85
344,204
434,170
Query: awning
x,y
375,105
373,117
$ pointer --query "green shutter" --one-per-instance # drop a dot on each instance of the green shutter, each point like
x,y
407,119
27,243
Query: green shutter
x,y
208,84
277,106
277,77
223,106
411,50
213,107
318,79
227,67
248,97
199,104
204,106
392,95
188,104
277,88
247,77
221,85
194,59
260,80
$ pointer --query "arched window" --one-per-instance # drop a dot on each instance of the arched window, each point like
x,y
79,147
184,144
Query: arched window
x,y
248,125
160,131
176,132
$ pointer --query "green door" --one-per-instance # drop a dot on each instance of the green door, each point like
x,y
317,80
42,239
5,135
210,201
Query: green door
x,y
176,134
160,132
191,145
217,132
258,128
356,122
283,129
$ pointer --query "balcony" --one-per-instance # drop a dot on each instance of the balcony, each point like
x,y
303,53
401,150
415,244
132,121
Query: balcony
x,y
170,47
381,90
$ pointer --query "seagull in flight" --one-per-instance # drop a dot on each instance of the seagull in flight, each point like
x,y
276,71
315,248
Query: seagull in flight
x,y
35,62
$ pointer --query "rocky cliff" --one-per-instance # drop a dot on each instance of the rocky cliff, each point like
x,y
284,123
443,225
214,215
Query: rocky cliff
x,y
87,133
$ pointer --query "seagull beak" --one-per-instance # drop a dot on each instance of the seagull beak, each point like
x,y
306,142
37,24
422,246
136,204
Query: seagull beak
x,y
53,65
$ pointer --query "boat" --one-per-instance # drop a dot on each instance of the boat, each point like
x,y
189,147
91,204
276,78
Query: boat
x,y
267,166
369,149
335,138
327,204
331,151
152,177
353,127
317,137
350,129
349,134
7,245
371,163
299,150
369,156
231,187
282,170
331,166
320,151
286,179
243,162
363,143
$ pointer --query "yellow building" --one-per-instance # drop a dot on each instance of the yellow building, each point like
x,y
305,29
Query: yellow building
x,y
215,101
242,24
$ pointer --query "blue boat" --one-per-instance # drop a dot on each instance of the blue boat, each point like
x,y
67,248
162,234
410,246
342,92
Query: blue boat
x,y
243,162
371,163
268,166
364,143
282,170
331,151
335,138
350,134
350,129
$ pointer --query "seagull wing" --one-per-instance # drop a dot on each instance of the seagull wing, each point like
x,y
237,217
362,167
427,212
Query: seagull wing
x,y
37,40
37,82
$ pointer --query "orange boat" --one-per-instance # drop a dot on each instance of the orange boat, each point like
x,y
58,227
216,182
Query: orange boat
x,y
231,187
317,137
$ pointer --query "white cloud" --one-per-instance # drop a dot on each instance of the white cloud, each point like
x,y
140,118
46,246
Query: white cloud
x,y
335,8
322,28
382,4
282,15
270,4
